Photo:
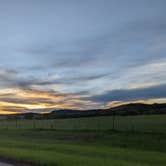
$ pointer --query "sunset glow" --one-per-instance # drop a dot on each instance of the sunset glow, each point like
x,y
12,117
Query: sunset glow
x,y
81,56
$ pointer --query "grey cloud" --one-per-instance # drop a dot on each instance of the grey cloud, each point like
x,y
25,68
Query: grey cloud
x,y
152,92
77,53
31,100
79,79
13,79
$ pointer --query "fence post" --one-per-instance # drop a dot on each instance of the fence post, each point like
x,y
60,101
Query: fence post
x,y
34,124
16,123
51,125
55,126
132,126
113,120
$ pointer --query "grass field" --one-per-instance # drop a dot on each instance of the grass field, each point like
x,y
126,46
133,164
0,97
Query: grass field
x,y
138,141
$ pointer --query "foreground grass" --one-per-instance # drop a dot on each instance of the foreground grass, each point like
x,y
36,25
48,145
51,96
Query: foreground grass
x,y
84,148
136,140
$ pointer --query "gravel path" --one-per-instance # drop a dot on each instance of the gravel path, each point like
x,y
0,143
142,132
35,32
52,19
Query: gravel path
x,y
5,164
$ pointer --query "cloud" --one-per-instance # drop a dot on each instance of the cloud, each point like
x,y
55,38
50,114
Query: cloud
x,y
12,109
158,91
59,55
23,100
15,79
76,79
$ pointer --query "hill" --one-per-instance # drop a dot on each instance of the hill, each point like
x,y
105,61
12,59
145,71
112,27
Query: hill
x,y
123,110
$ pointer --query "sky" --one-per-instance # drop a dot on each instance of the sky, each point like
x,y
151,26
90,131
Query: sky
x,y
81,54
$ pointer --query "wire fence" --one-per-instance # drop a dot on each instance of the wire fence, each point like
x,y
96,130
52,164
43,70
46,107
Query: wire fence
x,y
154,123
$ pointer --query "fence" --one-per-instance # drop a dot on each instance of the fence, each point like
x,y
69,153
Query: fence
x,y
153,123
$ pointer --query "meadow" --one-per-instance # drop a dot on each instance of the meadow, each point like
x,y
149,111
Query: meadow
x,y
93,141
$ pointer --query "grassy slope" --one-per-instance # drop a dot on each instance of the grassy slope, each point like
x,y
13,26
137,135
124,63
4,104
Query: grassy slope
x,y
87,148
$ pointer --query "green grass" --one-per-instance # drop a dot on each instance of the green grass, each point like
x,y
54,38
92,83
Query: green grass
x,y
93,144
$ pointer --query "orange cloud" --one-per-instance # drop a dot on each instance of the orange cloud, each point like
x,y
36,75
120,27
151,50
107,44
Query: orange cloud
x,y
23,100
